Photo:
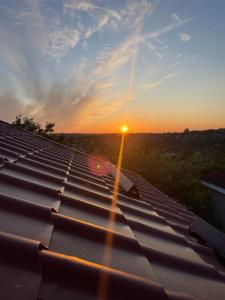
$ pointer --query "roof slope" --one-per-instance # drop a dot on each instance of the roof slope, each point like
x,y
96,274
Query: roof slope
x,y
216,178
54,209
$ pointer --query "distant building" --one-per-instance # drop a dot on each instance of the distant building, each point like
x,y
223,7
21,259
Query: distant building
x,y
215,182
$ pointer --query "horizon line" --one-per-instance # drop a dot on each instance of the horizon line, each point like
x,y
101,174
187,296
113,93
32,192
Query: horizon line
x,y
141,132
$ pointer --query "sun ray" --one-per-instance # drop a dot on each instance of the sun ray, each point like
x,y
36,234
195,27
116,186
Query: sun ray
x,y
104,278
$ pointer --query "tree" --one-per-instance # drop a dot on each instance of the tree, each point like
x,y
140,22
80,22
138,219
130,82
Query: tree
x,y
34,127
49,127
186,131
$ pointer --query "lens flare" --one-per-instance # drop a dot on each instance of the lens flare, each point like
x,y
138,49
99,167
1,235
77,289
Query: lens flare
x,y
104,277
103,288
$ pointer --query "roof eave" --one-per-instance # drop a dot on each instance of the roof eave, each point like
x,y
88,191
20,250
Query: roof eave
x,y
213,187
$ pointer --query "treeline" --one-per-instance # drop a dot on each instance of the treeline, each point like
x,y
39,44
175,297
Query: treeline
x,y
173,162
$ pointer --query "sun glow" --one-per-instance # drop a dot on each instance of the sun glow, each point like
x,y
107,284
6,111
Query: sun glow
x,y
124,128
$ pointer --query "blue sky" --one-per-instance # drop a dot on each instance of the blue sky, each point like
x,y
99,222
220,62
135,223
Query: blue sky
x,y
80,63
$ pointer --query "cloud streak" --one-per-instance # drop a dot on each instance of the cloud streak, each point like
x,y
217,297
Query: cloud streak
x,y
150,85
113,59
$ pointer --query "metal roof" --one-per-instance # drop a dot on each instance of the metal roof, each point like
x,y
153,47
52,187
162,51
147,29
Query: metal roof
x,y
55,205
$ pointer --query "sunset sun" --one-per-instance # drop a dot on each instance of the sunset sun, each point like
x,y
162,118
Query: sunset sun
x,y
124,128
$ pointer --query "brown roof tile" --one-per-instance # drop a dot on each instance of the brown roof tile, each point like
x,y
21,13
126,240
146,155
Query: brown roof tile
x,y
54,212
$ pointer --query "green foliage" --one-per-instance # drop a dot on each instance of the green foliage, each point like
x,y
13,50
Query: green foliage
x,y
173,162
34,127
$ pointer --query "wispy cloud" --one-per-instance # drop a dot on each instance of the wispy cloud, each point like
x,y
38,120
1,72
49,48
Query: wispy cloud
x,y
91,90
61,98
182,59
159,48
58,32
150,85
62,40
169,76
21,63
113,59
175,17
28,12
184,37
34,19
70,101
107,19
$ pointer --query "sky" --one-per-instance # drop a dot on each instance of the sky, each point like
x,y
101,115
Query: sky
x,y
90,66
